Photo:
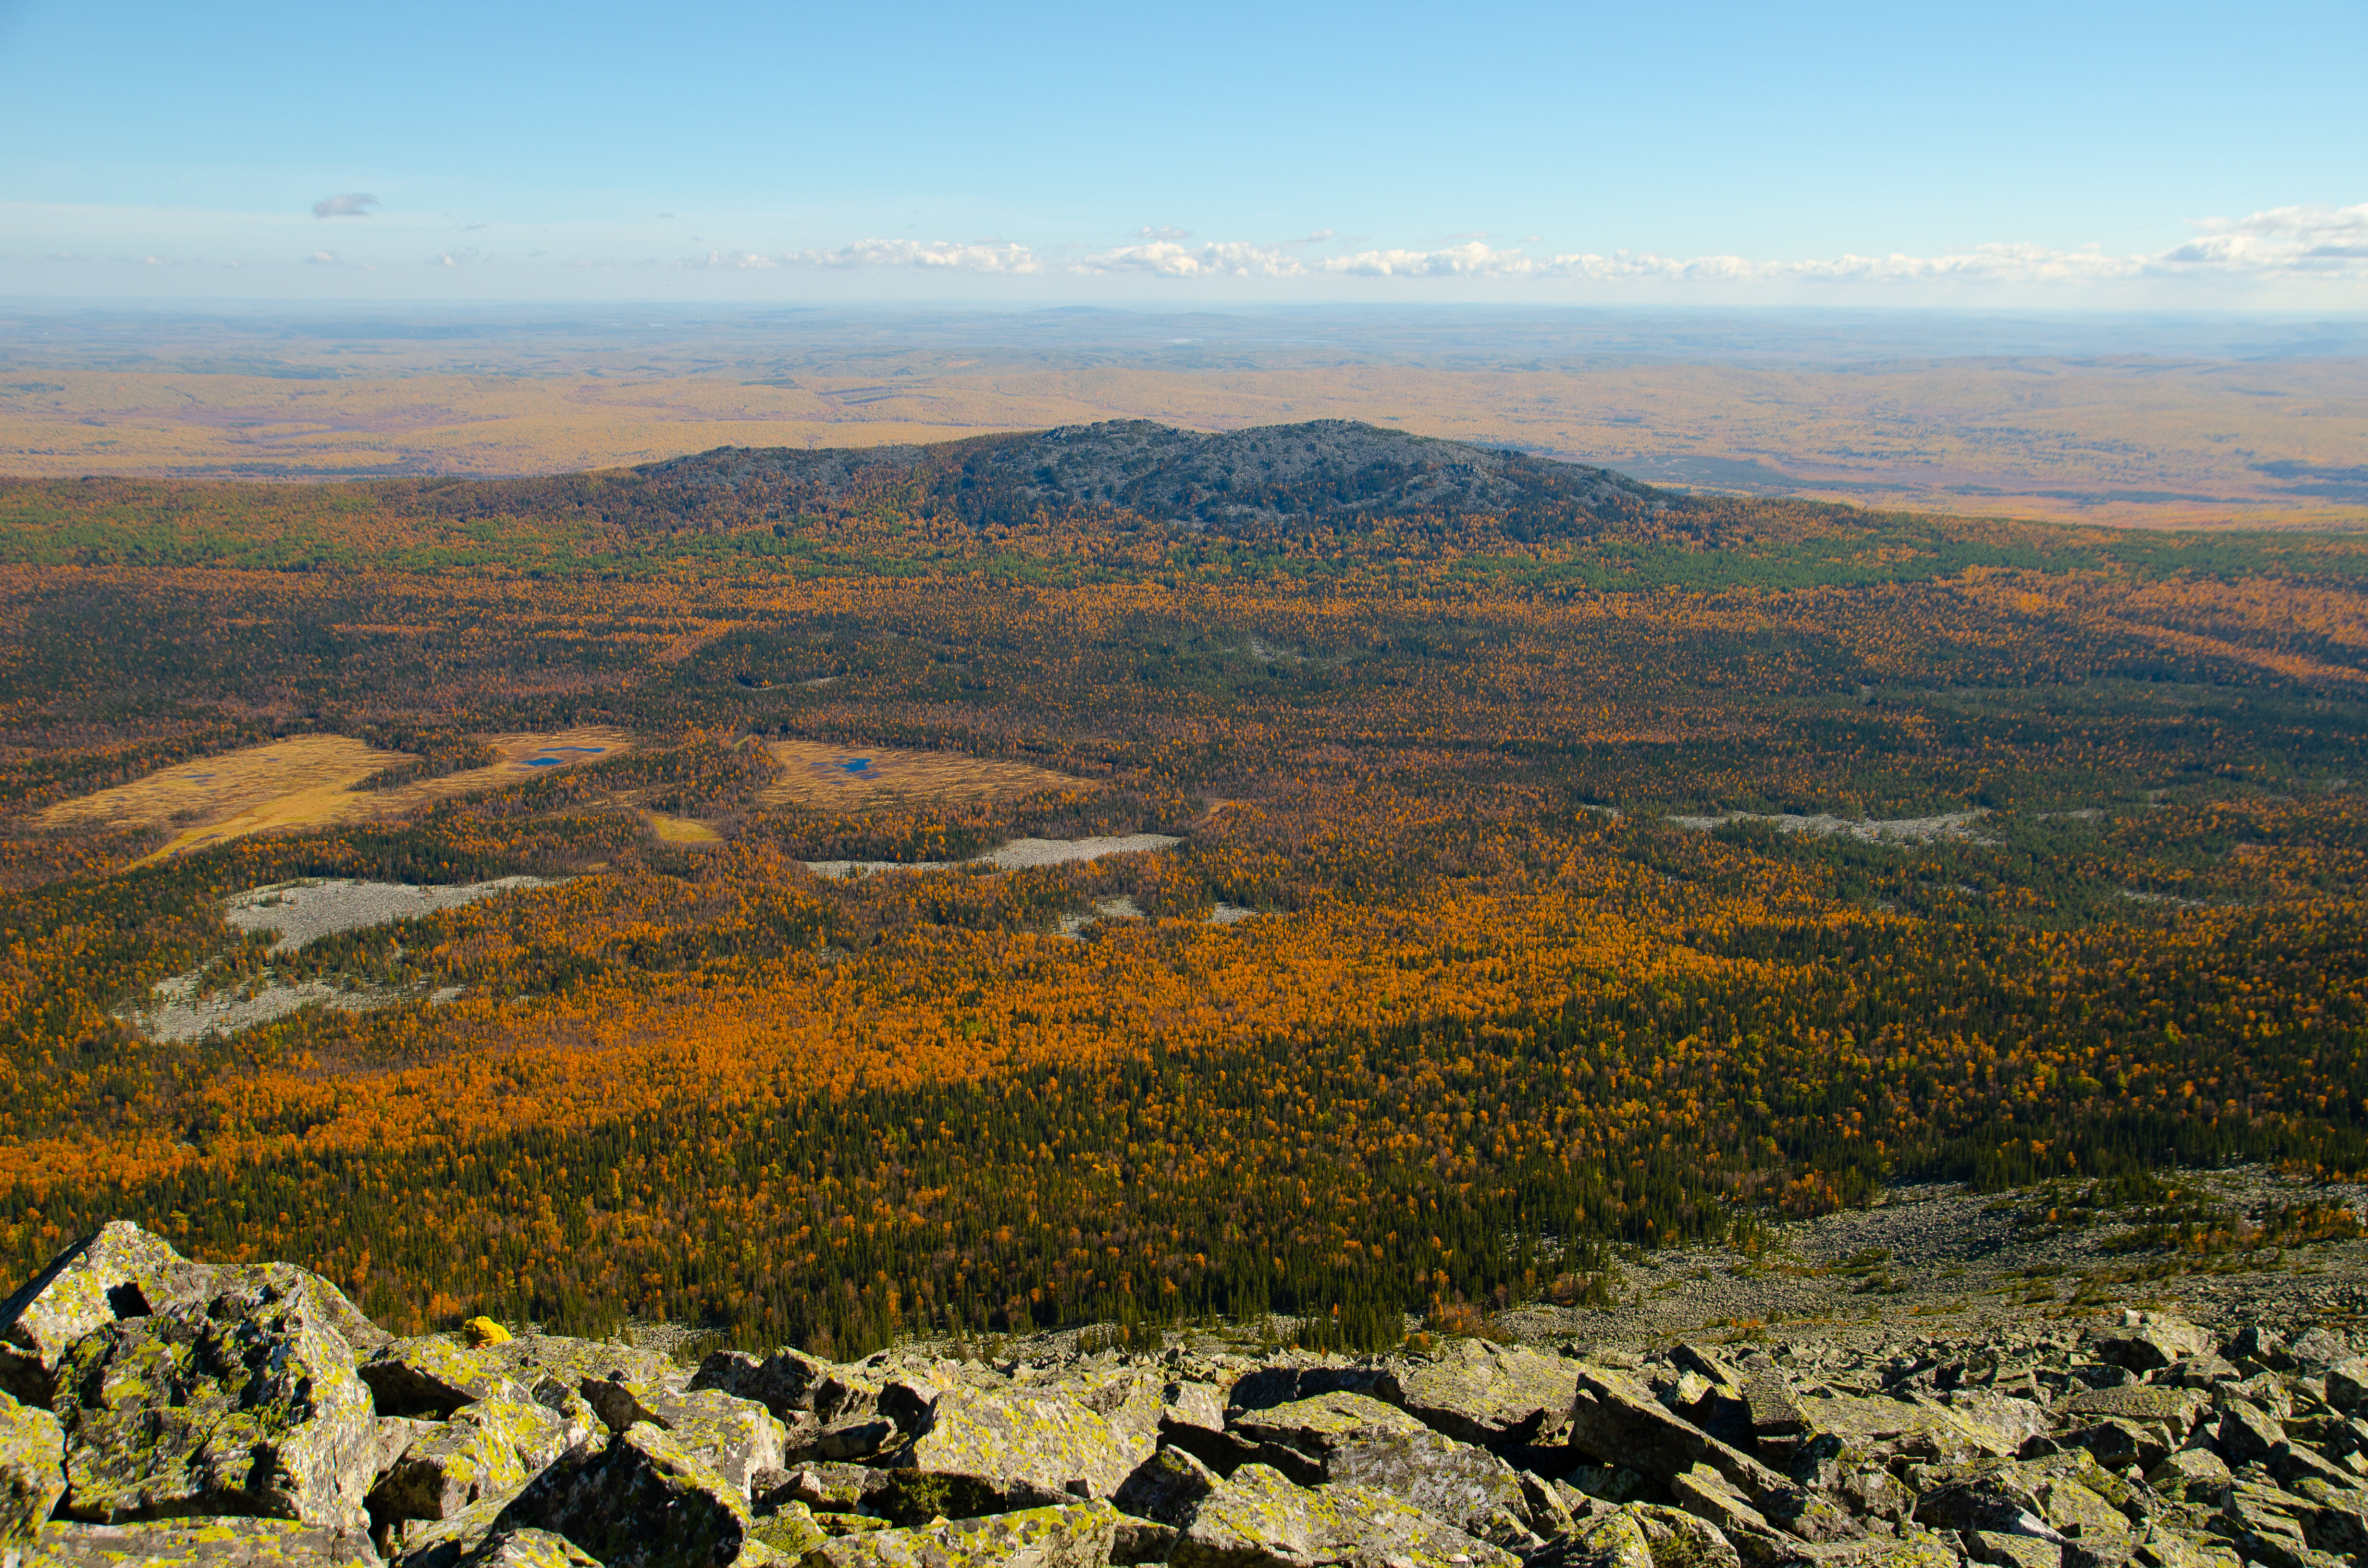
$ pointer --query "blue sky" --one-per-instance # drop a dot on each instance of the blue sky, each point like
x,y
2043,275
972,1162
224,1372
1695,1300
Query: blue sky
x,y
2104,156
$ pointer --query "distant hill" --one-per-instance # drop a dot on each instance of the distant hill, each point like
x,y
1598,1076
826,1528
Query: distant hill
x,y
1328,470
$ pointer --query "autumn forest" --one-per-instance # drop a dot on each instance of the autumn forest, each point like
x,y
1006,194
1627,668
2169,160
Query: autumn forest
x,y
1545,865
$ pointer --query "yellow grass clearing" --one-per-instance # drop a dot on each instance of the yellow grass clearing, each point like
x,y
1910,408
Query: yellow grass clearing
x,y
839,778
681,830
308,781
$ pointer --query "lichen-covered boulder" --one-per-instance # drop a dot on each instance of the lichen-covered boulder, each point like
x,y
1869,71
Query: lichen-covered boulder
x,y
442,1543
637,1502
487,1449
1351,1437
1489,1395
550,1363
529,1549
783,1382
338,1314
202,1542
1678,1540
1194,1404
1615,1420
1167,1487
790,1532
2063,1498
1037,1449
1613,1539
433,1378
738,1438
32,1468
246,1402
1258,1519
1313,1427
1075,1535
122,1272
2175,1410
2149,1346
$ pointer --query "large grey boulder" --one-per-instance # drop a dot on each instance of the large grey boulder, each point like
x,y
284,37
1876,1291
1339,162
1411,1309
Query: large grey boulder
x,y
641,1501
1034,1449
487,1449
432,1377
738,1437
32,1468
1492,1395
2063,1498
1615,1420
246,1402
2317,1349
1258,1519
1348,1438
1195,1404
2149,1346
122,1272
1073,1534
784,1383
1167,1487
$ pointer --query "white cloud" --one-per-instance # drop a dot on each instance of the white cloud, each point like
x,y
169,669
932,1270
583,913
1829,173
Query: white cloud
x,y
1165,258
467,258
331,258
2316,239
749,261
352,204
931,255
1473,258
2304,243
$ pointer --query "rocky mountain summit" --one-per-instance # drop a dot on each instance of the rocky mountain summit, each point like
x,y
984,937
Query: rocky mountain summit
x,y
1312,473
159,1410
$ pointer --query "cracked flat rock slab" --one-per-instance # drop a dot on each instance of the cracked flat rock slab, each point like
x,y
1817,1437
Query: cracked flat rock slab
x,y
1039,1443
1490,1396
1258,1519
201,1542
1077,1535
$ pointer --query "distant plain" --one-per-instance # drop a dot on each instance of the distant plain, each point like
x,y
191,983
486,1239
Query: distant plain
x,y
2127,421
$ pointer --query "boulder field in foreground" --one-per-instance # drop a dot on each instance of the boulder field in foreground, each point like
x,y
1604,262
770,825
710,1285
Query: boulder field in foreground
x,y
159,1411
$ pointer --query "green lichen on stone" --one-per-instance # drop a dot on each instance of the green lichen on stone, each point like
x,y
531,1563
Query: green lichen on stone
x,y
1039,1442
1259,1517
529,1549
853,1524
431,1376
640,1502
1324,1420
200,1542
916,1496
245,1402
1077,1535
1615,1539
791,1532
485,1450
32,1468
122,1271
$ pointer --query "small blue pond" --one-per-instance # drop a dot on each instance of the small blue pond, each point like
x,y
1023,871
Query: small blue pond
x,y
855,764
548,756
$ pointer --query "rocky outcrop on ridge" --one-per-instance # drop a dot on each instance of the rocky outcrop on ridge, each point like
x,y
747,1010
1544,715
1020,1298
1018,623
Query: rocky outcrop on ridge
x,y
1276,475
163,1411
